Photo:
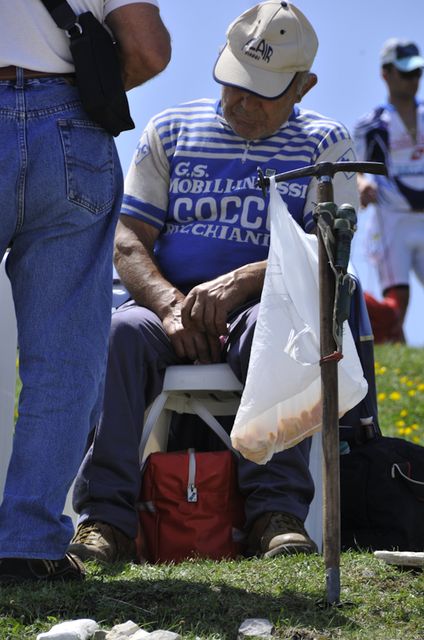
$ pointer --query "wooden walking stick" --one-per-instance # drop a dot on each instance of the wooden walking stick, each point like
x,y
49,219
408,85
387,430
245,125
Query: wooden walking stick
x,y
333,224
330,413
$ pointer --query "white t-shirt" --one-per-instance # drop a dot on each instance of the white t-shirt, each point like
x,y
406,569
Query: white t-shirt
x,y
29,37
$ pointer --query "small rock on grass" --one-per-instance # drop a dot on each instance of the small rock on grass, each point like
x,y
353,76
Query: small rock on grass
x,y
141,634
401,558
81,629
256,627
121,631
160,634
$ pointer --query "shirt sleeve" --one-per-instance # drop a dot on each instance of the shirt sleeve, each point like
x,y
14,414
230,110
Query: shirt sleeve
x,y
110,5
147,182
344,184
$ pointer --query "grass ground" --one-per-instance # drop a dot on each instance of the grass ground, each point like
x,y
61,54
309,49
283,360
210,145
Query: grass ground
x,y
400,391
208,600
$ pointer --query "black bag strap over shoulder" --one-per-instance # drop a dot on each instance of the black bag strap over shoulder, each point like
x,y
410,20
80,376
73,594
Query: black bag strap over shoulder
x,y
97,67
62,13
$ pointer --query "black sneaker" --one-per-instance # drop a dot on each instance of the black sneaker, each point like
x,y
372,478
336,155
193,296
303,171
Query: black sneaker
x,y
14,570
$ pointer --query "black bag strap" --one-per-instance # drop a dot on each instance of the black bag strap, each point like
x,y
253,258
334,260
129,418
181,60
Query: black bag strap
x,y
360,433
62,13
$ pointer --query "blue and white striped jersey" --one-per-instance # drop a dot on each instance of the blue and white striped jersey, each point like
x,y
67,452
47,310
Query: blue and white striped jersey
x,y
194,179
381,136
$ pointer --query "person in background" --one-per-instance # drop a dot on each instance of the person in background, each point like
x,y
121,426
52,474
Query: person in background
x,y
393,133
60,194
191,247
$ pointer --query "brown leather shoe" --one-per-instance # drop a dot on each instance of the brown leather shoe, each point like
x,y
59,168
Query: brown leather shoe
x,y
101,541
279,533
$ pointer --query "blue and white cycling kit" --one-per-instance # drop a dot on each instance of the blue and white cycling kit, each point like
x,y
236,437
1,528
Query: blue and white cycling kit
x,y
396,234
193,179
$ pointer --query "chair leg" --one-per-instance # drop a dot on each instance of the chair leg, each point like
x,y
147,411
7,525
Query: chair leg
x,y
211,421
8,344
156,427
313,523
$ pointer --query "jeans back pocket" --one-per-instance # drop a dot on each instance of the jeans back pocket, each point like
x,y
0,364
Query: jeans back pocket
x,y
89,154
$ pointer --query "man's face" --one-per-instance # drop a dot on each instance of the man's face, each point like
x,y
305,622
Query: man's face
x,y
252,117
402,84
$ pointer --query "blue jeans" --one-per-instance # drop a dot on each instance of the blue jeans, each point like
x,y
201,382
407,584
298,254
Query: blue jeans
x,y
60,195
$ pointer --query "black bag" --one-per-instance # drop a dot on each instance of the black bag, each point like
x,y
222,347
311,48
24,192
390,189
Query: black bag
x,y
97,67
382,496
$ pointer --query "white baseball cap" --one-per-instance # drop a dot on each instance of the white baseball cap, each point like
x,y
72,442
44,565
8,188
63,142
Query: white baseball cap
x,y
266,46
404,55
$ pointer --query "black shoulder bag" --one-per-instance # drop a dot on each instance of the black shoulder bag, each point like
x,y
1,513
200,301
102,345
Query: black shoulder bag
x,y
97,67
382,495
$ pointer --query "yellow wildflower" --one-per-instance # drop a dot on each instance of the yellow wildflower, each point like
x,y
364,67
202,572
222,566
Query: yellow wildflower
x,y
395,395
403,413
412,393
381,396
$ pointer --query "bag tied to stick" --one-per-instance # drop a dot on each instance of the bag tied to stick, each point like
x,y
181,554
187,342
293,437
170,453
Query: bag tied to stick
x,y
281,402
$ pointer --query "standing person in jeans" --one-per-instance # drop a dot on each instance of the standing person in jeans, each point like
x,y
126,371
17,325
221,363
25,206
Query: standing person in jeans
x,y
191,247
60,194
393,133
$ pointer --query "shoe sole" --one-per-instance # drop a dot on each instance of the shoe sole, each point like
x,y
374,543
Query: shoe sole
x,y
85,554
290,550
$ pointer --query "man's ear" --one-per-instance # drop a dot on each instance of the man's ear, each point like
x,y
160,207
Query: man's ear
x,y
308,85
384,73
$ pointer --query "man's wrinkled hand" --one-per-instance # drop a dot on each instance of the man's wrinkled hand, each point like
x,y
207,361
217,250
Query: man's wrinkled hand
x,y
207,305
189,343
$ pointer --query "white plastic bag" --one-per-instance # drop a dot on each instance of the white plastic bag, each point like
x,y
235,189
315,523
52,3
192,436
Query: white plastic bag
x,y
281,402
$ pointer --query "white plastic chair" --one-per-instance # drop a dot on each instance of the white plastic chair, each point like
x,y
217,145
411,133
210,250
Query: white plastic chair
x,y
209,391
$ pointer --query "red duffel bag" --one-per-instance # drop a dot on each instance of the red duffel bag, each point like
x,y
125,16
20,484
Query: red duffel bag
x,y
190,506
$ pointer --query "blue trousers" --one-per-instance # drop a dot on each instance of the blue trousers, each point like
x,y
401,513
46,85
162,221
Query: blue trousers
x,y
108,482
60,195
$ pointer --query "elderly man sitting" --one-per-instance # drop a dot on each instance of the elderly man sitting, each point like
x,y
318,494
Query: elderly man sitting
x,y
191,247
